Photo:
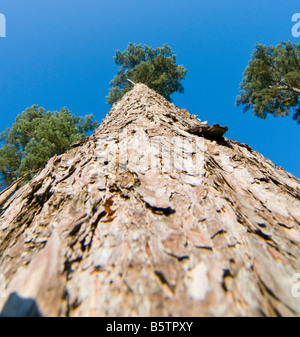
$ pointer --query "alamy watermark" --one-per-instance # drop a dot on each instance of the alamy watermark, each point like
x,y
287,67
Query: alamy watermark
x,y
296,27
2,286
2,25
296,286
178,156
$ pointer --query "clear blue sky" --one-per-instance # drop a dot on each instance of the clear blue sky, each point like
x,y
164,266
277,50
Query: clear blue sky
x,y
59,53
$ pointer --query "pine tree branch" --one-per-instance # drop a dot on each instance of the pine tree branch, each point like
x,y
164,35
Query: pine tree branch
x,y
5,194
286,87
295,58
151,74
130,81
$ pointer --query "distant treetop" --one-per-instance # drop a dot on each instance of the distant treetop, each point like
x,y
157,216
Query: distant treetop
x,y
271,82
156,68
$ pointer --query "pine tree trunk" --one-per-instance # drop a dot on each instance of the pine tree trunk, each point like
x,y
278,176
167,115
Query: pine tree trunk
x,y
156,214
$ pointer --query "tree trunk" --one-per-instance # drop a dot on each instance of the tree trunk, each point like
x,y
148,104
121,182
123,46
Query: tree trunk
x,y
156,214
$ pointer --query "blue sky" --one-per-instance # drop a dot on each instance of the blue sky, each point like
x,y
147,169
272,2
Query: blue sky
x,y
60,53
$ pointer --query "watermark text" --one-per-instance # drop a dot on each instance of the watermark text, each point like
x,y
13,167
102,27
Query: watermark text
x,y
296,27
2,286
296,286
2,25
180,157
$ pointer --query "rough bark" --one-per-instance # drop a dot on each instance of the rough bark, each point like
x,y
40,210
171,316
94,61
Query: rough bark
x,y
123,224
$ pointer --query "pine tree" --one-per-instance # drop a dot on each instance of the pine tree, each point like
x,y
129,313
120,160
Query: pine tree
x,y
175,222
35,137
142,64
271,82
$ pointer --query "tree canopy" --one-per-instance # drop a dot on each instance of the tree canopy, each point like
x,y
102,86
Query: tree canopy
x,y
35,137
271,82
156,68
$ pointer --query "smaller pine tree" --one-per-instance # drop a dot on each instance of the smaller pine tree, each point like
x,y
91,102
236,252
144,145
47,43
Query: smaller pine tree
x,y
35,137
271,82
